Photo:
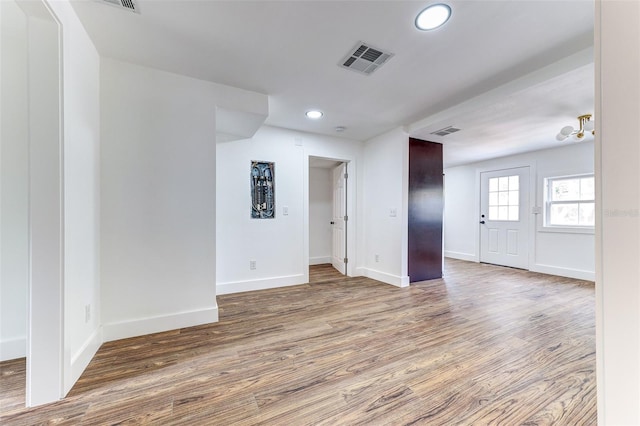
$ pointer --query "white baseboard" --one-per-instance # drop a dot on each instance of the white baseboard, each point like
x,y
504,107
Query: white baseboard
x,y
564,272
81,359
405,281
386,278
263,284
319,260
12,349
142,326
461,256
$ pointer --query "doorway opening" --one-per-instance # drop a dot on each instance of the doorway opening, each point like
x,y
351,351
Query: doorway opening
x,y
327,219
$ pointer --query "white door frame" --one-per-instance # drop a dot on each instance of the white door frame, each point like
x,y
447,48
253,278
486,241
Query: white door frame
x,y
533,176
351,212
501,257
47,354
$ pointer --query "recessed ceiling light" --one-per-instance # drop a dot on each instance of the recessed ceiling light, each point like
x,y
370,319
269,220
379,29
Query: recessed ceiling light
x,y
314,114
433,17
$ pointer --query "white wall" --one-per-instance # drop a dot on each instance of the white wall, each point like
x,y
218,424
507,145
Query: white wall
x,y
158,200
558,253
53,171
45,363
460,226
14,183
81,83
65,297
279,246
617,47
386,166
320,214
158,194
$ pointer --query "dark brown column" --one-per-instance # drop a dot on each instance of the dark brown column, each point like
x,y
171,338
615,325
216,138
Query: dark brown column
x,y
426,202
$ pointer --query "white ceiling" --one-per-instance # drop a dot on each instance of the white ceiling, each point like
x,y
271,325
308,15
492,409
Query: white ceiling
x,y
290,50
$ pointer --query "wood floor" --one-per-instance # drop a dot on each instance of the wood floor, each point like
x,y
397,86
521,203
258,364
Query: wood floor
x,y
485,345
323,273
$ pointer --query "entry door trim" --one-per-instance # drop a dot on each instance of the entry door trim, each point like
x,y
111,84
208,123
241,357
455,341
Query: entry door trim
x,y
533,177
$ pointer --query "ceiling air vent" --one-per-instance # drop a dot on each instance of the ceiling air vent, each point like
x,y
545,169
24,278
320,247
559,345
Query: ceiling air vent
x,y
365,59
446,131
130,5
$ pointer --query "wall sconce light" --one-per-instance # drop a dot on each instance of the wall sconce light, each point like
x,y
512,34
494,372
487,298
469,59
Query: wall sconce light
x,y
586,125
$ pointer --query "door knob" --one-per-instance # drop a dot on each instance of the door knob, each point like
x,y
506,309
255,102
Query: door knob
x,y
333,223
482,222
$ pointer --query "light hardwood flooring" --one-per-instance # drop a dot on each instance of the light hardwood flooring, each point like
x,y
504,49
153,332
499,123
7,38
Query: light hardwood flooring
x,y
485,345
323,273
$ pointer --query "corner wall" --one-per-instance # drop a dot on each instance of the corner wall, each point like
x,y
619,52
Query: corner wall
x,y
557,253
158,200
52,200
386,172
81,103
45,328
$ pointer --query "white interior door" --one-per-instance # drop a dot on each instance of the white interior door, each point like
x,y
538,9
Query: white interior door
x,y
338,222
504,217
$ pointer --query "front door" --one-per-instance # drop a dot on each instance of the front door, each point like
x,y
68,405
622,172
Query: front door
x,y
504,217
338,221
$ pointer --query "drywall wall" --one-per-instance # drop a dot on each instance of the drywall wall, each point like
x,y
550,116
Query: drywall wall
x,y
158,195
279,246
14,183
59,178
460,193
81,84
617,47
320,212
386,163
158,206
558,253
45,362
274,244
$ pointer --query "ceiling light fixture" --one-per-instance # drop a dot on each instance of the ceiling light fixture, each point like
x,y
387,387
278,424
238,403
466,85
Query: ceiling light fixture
x,y
433,17
314,114
586,125
340,129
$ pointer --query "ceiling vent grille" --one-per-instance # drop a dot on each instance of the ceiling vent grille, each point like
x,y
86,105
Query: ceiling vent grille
x,y
364,58
130,5
445,131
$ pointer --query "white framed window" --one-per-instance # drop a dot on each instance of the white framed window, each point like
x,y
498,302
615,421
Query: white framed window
x,y
504,198
570,202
